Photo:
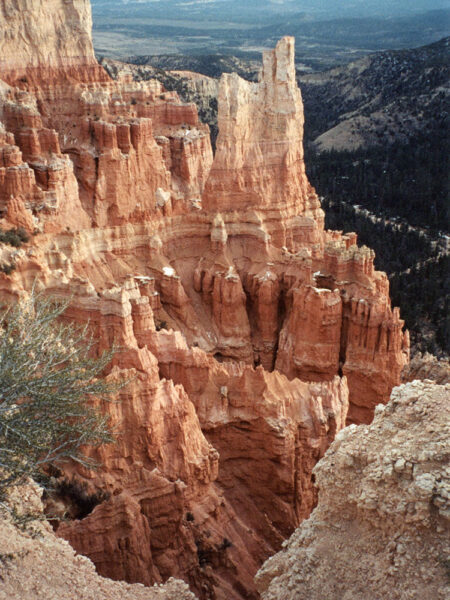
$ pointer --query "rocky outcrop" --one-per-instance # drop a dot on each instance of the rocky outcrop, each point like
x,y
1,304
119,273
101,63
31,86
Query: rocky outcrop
x,y
34,563
183,482
248,333
427,366
259,159
91,161
383,505
46,39
190,86
259,191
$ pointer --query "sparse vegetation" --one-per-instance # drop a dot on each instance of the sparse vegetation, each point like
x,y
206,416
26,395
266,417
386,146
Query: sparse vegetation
x,y
393,191
48,381
14,237
161,325
394,94
8,268
76,493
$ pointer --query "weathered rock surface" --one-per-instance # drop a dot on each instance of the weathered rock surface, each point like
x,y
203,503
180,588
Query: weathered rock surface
x,y
187,453
259,160
427,366
259,191
46,37
35,564
384,505
190,86
246,329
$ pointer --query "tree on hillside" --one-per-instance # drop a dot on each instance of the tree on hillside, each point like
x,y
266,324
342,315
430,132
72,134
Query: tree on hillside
x,y
47,377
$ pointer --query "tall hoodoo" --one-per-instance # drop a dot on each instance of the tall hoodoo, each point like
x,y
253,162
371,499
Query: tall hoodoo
x,y
245,327
259,160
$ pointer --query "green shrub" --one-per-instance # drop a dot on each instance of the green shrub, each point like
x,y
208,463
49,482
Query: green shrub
x,y
47,376
8,268
161,325
14,237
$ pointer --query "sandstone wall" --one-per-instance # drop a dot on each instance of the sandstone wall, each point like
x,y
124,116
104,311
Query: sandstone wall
x,y
36,564
41,38
259,160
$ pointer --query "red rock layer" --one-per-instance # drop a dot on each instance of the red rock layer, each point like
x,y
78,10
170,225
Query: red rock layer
x,y
225,295
204,434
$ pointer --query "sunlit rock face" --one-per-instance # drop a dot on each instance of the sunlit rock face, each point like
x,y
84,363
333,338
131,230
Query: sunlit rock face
x,y
249,333
46,39
259,161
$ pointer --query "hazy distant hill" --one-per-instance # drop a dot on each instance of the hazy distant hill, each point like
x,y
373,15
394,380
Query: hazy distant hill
x,y
375,32
328,33
263,10
212,65
380,127
389,96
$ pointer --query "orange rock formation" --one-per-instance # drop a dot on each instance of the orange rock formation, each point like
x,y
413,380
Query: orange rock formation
x,y
36,564
244,325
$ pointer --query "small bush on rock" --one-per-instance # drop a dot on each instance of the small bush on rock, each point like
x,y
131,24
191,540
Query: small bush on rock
x,y
47,377
14,237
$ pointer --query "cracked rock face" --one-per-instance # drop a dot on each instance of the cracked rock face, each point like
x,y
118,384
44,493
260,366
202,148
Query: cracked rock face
x,y
35,564
44,36
380,529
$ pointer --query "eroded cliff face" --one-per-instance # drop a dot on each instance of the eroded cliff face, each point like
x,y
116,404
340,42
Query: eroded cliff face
x,y
383,505
244,326
50,38
29,552
316,307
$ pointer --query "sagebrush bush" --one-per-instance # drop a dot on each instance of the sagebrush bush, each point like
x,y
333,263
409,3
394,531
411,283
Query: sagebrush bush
x,y
47,377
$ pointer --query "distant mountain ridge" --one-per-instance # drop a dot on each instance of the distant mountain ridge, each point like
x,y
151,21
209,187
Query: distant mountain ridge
x,y
327,34
388,96
257,9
